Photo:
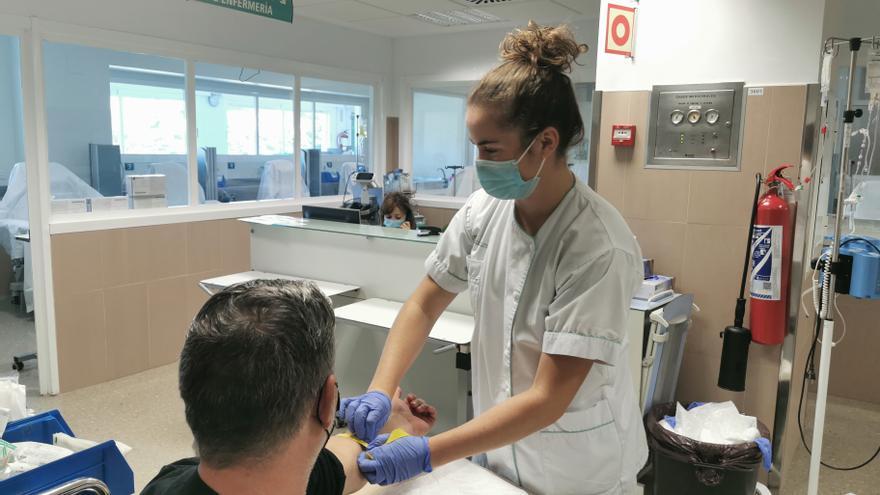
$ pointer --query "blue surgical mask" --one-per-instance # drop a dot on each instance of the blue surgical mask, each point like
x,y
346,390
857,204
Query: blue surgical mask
x,y
502,179
394,224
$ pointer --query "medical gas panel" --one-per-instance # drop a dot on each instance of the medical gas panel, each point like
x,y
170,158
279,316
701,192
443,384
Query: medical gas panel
x,y
696,126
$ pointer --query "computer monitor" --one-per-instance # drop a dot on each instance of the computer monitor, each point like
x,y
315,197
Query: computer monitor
x,y
344,215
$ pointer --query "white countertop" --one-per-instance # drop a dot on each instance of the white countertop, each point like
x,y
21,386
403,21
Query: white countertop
x,y
451,327
329,289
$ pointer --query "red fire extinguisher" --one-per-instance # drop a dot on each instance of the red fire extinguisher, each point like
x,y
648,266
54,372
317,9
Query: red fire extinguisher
x,y
772,240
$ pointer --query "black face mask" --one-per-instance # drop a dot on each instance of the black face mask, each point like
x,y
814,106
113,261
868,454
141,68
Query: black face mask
x,y
338,423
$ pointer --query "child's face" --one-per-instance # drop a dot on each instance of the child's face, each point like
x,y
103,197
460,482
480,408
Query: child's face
x,y
396,214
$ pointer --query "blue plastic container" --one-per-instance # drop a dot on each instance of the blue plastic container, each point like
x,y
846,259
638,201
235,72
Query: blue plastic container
x,y
103,461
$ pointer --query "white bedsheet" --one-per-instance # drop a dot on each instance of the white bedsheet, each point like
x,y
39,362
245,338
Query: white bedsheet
x,y
460,477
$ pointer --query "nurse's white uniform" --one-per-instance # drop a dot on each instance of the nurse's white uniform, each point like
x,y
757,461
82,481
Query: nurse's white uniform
x,y
565,291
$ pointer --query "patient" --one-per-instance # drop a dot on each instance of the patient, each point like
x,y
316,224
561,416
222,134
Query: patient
x,y
256,377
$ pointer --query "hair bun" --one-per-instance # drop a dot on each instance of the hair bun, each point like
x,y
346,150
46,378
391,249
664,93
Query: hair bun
x,y
542,47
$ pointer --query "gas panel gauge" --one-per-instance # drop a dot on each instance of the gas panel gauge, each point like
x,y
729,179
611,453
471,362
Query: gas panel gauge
x,y
694,116
712,117
677,117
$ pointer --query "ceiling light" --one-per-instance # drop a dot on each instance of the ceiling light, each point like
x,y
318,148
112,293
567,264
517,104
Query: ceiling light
x,y
456,17
486,2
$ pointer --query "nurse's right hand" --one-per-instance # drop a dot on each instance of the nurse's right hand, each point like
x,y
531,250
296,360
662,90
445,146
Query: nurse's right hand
x,y
366,414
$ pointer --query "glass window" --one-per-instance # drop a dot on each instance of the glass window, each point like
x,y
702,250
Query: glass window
x,y
579,155
443,155
111,115
245,133
137,112
335,135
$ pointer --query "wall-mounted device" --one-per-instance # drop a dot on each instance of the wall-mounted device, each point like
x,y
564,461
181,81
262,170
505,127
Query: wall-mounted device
x,y
623,135
696,126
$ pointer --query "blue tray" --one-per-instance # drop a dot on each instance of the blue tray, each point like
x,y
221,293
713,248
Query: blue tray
x,y
103,461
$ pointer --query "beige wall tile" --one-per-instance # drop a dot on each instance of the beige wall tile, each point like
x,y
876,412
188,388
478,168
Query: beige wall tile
x,y
114,257
786,131
76,262
156,252
857,352
613,162
195,297
126,321
639,115
662,241
81,339
654,194
438,217
712,271
203,246
168,319
721,198
755,133
235,245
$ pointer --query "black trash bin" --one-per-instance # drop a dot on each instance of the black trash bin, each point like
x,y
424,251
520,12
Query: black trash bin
x,y
685,466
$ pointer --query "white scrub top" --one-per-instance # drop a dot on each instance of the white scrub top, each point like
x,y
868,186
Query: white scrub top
x,y
565,291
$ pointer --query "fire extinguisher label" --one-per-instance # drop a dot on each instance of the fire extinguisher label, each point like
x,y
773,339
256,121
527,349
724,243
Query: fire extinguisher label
x,y
766,262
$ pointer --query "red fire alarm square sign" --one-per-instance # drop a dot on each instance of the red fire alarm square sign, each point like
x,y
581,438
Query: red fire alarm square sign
x,y
620,30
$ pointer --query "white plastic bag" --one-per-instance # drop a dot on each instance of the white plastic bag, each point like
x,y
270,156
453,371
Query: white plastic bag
x,y
718,423
31,455
80,444
13,397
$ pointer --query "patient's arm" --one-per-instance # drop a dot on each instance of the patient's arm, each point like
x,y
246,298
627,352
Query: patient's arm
x,y
411,414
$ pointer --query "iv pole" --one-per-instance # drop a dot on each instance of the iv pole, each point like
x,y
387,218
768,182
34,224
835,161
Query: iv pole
x,y
829,280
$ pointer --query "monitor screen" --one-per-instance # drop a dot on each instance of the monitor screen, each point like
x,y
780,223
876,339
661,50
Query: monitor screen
x,y
344,215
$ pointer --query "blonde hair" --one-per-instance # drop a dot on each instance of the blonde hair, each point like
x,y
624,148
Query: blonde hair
x,y
531,88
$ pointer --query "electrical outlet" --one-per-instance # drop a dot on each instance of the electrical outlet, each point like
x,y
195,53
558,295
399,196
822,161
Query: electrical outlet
x,y
230,165
129,167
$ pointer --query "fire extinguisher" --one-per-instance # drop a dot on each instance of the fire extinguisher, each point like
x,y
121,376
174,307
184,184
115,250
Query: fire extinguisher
x,y
772,240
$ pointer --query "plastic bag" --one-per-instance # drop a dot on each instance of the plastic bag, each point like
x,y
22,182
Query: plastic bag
x,y
705,456
13,397
31,455
80,444
718,422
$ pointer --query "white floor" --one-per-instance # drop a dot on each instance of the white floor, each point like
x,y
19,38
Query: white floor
x,y
852,434
143,411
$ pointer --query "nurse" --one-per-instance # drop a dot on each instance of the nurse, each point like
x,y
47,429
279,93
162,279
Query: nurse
x,y
551,267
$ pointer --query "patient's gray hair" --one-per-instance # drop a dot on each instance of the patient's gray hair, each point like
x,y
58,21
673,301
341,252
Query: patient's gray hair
x,y
253,364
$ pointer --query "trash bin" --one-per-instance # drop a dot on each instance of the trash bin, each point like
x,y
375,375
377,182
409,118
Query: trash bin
x,y
682,465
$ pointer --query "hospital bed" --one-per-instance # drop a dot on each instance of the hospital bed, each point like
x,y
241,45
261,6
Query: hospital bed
x,y
64,184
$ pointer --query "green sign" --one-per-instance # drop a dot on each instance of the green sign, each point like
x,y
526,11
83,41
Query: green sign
x,y
273,9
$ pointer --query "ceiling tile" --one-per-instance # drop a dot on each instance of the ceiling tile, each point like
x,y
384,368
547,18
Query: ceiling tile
x,y
343,11
400,26
407,7
587,7
538,10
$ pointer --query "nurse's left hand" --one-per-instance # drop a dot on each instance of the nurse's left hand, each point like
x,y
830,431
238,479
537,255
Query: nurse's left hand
x,y
366,414
399,461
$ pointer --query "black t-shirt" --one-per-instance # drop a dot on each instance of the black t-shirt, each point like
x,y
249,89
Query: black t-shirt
x,y
182,478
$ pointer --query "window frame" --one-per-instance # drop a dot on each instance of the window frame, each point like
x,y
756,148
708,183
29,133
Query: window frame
x,y
43,31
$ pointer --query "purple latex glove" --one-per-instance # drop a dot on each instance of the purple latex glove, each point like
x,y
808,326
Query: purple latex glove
x,y
366,414
398,461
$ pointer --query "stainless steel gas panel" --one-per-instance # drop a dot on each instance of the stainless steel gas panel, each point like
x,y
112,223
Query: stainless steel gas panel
x,y
696,126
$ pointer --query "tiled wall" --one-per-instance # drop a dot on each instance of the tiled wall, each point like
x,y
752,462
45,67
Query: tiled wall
x,y
694,223
124,298
438,217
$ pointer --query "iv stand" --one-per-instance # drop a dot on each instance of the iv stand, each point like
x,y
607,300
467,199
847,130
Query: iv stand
x,y
829,281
